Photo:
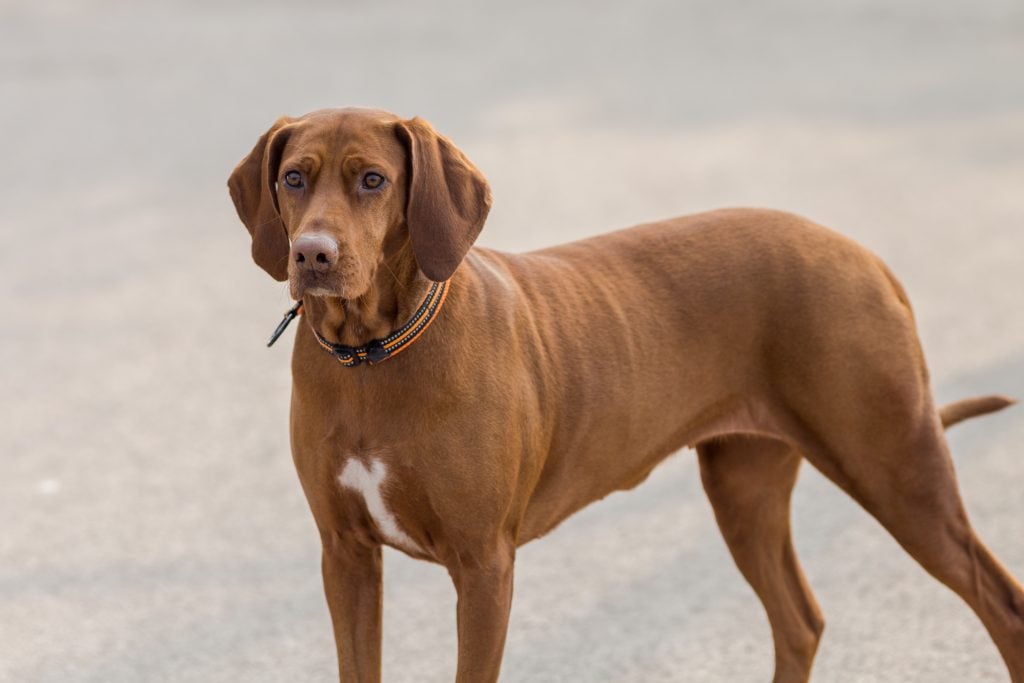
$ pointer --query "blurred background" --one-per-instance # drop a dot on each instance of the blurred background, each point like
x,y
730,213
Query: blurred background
x,y
151,524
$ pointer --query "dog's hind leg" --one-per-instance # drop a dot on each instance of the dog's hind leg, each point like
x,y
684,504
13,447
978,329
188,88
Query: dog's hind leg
x,y
901,473
749,481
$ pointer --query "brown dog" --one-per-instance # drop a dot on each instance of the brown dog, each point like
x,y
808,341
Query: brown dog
x,y
541,382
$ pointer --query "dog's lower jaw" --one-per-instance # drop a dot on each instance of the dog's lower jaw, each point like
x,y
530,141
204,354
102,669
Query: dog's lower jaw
x,y
321,292
301,285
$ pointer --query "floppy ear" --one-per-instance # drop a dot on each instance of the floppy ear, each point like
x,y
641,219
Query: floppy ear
x,y
448,199
253,187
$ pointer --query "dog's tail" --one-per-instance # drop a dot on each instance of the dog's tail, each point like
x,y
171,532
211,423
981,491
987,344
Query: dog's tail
x,y
952,413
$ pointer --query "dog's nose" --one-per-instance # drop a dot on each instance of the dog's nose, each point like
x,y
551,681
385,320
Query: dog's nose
x,y
315,252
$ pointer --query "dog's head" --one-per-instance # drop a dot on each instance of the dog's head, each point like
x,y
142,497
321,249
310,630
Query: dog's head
x,y
329,196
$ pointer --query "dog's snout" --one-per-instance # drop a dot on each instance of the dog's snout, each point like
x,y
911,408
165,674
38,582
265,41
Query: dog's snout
x,y
316,252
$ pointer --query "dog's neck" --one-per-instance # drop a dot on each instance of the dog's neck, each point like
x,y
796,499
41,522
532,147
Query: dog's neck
x,y
397,291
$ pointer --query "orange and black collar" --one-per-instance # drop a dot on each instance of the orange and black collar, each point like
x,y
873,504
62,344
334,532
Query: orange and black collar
x,y
378,350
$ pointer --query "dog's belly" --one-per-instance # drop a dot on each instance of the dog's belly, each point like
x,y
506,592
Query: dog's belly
x,y
571,482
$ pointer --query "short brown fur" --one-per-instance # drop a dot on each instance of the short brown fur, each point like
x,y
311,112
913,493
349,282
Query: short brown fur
x,y
553,378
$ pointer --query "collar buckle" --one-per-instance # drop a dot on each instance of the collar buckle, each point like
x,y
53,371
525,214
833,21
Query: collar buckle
x,y
375,352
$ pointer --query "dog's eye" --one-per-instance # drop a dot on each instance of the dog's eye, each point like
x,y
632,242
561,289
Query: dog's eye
x,y
373,181
293,179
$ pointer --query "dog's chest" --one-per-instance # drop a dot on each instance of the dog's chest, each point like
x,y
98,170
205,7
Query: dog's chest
x,y
369,479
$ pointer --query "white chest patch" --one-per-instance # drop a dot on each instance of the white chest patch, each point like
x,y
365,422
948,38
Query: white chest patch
x,y
368,482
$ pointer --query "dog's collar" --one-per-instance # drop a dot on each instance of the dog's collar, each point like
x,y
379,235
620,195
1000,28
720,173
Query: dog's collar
x,y
378,350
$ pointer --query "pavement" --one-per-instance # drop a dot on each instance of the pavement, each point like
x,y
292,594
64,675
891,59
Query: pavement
x,y
151,525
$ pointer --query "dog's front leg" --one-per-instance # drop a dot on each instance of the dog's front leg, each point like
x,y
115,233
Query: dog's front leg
x,y
352,582
484,588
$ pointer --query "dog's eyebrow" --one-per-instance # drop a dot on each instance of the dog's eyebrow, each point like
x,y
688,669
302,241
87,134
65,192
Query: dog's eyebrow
x,y
352,162
306,162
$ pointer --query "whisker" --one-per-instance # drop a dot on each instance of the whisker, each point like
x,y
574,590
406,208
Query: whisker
x,y
397,281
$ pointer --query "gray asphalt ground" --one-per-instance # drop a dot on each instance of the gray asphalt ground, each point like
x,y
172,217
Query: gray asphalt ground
x,y
151,525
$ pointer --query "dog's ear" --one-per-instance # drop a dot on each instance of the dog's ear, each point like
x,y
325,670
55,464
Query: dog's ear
x,y
253,187
448,199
